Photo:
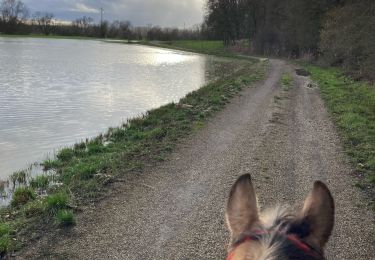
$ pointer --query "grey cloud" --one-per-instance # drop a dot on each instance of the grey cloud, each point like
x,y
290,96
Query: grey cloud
x,y
139,12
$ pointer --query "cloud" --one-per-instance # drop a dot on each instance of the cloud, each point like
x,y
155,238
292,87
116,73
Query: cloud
x,y
166,13
82,8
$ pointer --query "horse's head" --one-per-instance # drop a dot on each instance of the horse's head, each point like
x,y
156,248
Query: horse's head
x,y
278,234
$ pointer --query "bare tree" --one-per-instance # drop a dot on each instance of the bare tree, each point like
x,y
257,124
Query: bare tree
x,y
125,30
13,13
44,21
83,24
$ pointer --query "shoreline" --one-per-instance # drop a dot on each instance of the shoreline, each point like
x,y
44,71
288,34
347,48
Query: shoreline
x,y
80,174
196,108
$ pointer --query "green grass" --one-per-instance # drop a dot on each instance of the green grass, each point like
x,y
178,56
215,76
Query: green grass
x,y
40,182
83,171
286,81
57,201
352,105
22,195
65,154
65,217
197,46
5,237
200,46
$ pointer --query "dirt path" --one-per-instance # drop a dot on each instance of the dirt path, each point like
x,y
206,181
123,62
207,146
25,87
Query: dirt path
x,y
176,210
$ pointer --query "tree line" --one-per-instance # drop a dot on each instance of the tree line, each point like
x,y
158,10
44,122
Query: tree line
x,y
339,32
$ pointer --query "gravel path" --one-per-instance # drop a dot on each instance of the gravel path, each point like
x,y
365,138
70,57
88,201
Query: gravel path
x,y
285,139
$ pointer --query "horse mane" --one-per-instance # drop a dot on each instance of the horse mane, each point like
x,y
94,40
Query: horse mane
x,y
276,224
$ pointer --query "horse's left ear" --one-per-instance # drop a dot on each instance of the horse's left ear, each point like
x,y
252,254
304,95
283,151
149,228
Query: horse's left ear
x,y
242,209
318,213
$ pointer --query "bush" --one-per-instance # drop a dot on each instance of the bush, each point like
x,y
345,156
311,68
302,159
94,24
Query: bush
x,y
22,195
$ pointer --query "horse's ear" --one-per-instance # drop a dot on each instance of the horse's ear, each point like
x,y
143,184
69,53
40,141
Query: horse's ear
x,y
242,210
318,214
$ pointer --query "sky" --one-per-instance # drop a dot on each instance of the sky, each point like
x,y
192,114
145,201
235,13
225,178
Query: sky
x,y
165,13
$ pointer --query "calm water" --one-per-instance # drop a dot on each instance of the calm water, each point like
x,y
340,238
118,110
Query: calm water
x,y
56,92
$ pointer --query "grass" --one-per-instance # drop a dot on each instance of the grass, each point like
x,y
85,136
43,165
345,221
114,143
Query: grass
x,y
286,81
216,48
65,218
40,182
352,106
83,171
209,47
22,195
5,237
18,177
57,201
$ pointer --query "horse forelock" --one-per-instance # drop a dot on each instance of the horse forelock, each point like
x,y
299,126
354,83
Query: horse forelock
x,y
274,225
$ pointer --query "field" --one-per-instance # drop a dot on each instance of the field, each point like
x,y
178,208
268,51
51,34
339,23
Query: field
x,y
209,47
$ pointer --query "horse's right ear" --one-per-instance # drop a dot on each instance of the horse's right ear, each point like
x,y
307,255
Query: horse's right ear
x,y
318,214
242,209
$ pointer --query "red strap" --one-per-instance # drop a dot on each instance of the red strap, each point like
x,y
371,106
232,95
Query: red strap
x,y
292,238
298,243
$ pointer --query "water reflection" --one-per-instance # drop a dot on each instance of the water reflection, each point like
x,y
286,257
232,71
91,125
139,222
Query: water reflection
x,y
54,93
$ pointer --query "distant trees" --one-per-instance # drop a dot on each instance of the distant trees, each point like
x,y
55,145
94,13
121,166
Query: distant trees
x,y
287,27
224,19
83,25
120,29
342,32
44,21
348,38
13,14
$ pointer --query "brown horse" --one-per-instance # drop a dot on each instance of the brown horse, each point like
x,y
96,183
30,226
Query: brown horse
x,y
278,234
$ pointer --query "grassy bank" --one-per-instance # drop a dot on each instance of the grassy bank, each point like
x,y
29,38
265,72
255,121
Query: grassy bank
x,y
83,173
204,47
352,106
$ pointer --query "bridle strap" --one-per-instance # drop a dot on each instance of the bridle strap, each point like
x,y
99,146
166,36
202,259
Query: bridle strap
x,y
257,234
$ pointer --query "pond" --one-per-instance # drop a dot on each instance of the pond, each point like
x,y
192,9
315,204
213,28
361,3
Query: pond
x,y
55,92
